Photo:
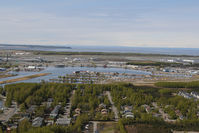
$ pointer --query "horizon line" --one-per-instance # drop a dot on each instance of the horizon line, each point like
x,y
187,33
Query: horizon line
x,y
70,45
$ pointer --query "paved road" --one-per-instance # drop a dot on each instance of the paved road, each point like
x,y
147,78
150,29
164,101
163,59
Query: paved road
x,y
95,126
95,123
114,109
67,112
8,113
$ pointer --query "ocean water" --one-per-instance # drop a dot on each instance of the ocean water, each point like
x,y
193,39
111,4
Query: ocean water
x,y
75,48
144,50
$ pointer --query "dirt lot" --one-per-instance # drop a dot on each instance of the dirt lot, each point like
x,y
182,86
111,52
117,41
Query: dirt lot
x,y
108,127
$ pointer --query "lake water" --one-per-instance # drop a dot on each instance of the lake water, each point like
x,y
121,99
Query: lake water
x,y
55,72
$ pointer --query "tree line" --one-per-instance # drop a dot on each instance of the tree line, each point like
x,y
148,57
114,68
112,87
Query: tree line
x,y
193,84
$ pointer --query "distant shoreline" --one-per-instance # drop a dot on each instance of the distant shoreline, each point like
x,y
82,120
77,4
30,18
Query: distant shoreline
x,y
34,46
106,53
104,50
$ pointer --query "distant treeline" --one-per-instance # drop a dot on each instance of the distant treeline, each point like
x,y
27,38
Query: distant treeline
x,y
193,84
159,125
104,53
165,64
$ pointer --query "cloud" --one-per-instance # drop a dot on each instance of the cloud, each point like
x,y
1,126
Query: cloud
x,y
106,26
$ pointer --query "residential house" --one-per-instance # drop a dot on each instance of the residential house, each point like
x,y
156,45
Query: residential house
x,y
127,108
198,113
63,121
37,122
77,110
147,108
55,111
77,113
102,106
104,111
31,109
185,94
195,94
128,115
179,114
181,117
127,111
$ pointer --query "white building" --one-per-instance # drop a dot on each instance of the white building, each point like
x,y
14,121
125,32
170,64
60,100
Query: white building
x,y
31,67
195,94
189,61
63,121
129,115
185,94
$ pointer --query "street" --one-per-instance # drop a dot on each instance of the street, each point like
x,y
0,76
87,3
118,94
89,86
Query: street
x,y
114,109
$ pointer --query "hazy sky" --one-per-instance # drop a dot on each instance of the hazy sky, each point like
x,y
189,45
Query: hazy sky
x,y
152,23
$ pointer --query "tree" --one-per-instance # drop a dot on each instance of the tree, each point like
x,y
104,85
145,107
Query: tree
x,y
24,126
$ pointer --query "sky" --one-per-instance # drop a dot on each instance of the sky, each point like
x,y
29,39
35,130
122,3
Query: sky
x,y
136,23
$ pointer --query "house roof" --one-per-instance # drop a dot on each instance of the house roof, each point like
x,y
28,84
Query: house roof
x,y
63,121
56,109
37,122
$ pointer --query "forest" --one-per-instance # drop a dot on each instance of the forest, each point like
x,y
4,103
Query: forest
x,y
35,93
88,97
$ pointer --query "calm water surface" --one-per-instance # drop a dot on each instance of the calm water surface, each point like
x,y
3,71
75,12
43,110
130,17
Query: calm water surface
x,y
55,72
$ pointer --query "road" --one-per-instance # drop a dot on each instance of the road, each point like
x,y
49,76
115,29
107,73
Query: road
x,y
9,112
95,126
68,107
114,109
95,123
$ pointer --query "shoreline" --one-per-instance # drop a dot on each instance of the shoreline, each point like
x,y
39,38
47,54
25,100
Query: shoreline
x,y
6,76
24,78
42,52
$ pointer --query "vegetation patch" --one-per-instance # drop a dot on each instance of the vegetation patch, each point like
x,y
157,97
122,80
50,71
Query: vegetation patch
x,y
193,84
